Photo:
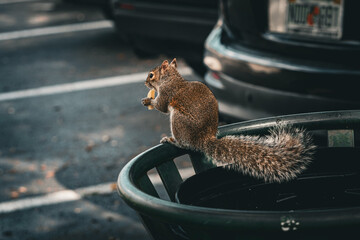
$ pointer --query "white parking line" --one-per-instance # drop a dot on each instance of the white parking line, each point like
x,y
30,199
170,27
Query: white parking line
x,y
81,85
48,199
73,195
16,1
36,32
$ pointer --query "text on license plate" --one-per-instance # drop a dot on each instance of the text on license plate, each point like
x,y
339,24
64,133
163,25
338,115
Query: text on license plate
x,y
315,18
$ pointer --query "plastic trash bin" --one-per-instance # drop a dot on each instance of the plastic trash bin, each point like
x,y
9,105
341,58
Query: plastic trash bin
x,y
215,203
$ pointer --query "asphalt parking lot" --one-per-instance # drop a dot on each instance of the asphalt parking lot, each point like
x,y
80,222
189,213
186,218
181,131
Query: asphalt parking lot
x,y
71,118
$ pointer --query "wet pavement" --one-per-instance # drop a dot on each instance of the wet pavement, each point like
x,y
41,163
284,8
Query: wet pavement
x,y
66,141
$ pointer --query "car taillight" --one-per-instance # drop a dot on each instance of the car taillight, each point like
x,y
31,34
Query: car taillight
x,y
126,6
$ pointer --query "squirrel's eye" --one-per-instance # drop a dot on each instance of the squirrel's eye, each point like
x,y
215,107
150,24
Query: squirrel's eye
x,y
151,75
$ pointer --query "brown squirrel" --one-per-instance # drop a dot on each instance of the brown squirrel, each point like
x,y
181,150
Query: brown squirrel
x,y
279,156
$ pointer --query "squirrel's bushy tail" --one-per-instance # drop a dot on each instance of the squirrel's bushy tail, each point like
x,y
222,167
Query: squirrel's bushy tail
x,y
277,157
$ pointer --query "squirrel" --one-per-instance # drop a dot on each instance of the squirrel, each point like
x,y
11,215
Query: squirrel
x,y
280,156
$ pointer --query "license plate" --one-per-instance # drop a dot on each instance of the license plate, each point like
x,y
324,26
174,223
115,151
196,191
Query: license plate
x,y
311,18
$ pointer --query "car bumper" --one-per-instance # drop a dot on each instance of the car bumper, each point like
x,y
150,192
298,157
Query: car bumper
x,y
252,84
244,101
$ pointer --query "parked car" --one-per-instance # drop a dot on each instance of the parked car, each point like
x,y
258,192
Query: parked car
x,y
174,27
275,57
104,5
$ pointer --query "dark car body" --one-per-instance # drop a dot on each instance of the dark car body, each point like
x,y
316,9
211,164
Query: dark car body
x,y
104,5
256,71
91,2
177,27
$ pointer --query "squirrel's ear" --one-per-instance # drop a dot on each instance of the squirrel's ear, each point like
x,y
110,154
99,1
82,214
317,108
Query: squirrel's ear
x,y
173,63
164,65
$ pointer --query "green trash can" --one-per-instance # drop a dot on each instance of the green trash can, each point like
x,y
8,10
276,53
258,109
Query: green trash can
x,y
216,203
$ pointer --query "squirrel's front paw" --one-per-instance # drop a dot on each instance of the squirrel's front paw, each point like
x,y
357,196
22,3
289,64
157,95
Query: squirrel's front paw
x,y
146,101
170,140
